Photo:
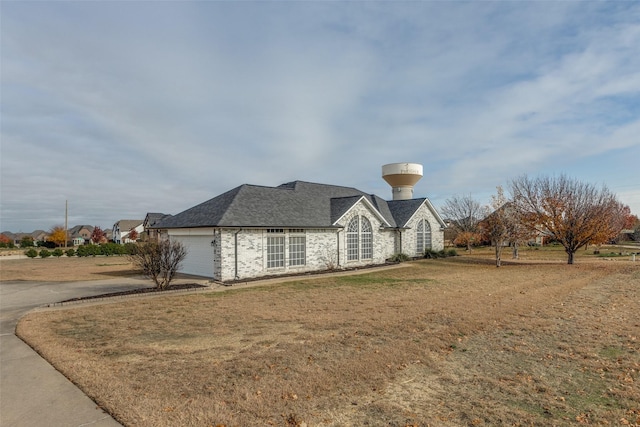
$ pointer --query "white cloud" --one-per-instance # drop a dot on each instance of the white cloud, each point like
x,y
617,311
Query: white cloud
x,y
155,107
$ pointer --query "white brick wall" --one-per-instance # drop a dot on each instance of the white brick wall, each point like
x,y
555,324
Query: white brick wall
x,y
252,253
381,238
409,236
325,248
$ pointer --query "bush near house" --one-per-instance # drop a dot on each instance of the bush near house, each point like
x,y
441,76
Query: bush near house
x,y
70,252
399,257
45,253
431,254
57,252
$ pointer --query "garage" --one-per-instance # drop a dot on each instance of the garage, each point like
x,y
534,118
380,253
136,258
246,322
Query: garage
x,y
199,259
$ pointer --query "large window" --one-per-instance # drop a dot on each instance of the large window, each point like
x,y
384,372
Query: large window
x,y
423,236
297,248
275,248
359,239
366,239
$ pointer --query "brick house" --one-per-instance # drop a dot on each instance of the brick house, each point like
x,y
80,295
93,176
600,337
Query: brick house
x,y
80,234
252,231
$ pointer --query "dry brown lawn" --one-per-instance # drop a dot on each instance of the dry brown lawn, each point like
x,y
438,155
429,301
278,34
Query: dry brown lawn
x,y
65,269
454,342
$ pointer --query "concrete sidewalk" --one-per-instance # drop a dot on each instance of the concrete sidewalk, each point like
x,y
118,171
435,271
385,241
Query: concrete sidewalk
x,y
33,393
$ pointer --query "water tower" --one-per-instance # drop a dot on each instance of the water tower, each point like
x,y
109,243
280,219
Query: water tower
x,y
402,177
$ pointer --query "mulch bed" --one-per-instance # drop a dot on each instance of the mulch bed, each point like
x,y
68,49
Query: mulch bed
x,y
181,287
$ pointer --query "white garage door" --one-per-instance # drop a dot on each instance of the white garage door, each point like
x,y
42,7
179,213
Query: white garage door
x,y
199,260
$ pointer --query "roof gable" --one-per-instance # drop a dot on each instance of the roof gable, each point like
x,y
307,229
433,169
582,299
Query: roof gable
x,y
404,210
126,225
153,218
346,204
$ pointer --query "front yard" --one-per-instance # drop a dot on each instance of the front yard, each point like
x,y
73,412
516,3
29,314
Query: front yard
x,y
437,342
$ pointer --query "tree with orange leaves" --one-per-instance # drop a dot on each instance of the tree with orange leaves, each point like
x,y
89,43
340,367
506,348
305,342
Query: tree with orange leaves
x,y
58,235
572,212
133,235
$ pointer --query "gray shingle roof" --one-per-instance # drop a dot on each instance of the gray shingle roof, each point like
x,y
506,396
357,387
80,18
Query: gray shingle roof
x,y
402,210
296,204
125,225
153,218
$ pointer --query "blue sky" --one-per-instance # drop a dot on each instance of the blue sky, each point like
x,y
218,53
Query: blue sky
x,y
124,108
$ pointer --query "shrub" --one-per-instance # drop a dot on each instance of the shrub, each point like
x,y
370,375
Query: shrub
x,y
27,242
57,253
44,253
112,249
94,250
159,261
129,248
82,251
400,257
70,252
31,253
431,254
89,250
108,249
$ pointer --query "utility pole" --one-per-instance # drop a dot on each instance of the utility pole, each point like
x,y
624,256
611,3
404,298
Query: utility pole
x,y
66,222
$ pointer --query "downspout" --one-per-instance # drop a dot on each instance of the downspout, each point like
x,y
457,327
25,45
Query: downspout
x,y
235,251
338,248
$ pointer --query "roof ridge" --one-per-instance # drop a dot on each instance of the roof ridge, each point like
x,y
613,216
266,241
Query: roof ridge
x,y
234,197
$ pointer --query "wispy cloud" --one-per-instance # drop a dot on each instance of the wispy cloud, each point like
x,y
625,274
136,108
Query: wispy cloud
x,y
126,108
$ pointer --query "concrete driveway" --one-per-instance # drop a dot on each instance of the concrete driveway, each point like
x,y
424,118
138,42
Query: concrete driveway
x,y
32,392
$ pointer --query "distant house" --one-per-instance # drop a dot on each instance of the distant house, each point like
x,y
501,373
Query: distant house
x,y
80,234
39,235
150,220
252,231
122,228
17,238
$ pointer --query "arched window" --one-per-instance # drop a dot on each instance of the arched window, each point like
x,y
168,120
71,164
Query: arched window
x,y
423,236
352,239
366,239
359,239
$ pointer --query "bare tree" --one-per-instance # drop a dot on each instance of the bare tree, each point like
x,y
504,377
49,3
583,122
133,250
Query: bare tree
x,y
572,212
159,261
464,214
496,224
503,226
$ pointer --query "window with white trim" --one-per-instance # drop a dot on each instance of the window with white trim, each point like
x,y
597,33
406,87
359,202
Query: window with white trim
x,y
423,236
352,239
297,248
275,248
359,239
366,239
